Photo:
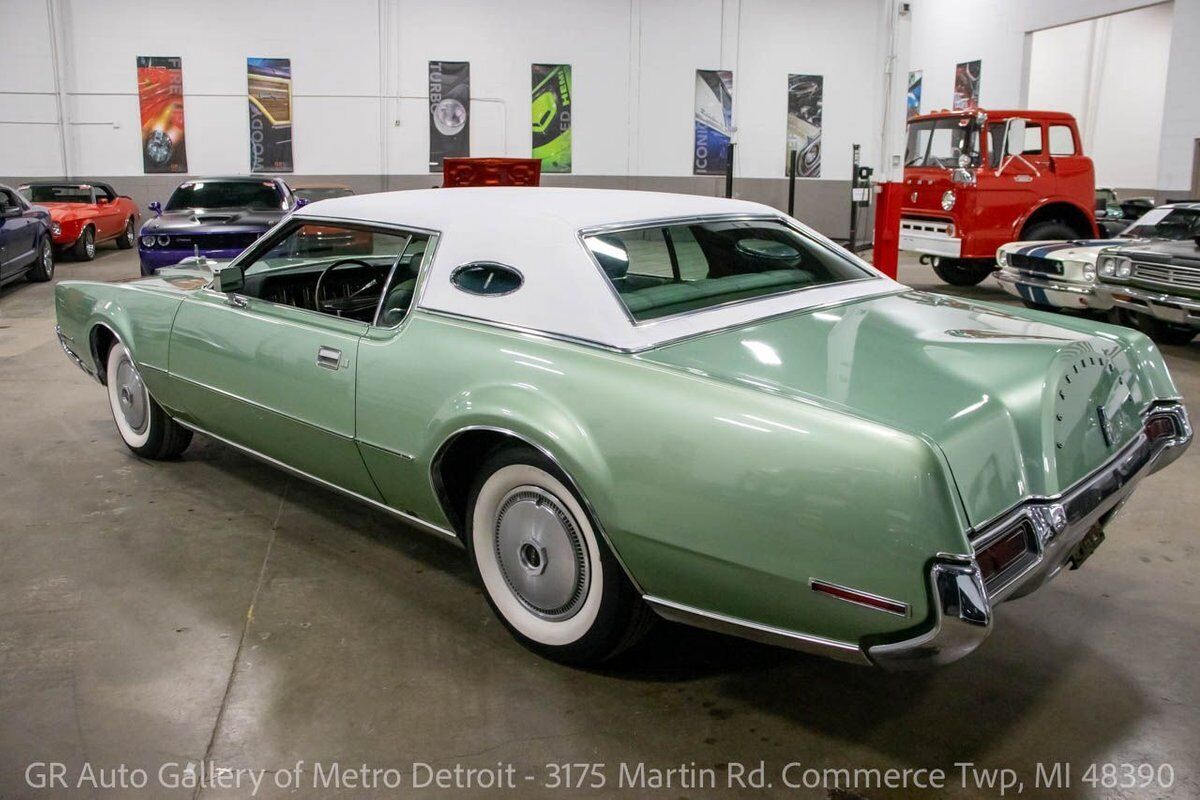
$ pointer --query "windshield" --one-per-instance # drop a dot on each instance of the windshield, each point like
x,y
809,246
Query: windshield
x,y
940,142
57,194
1166,223
676,269
258,195
313,194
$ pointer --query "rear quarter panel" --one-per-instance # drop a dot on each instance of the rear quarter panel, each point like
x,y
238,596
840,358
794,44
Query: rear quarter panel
x,y
721,497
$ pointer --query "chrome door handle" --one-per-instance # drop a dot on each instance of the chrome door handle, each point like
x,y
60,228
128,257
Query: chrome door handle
x,y
329,358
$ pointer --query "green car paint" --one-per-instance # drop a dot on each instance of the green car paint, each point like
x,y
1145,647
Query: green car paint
x,y
850,444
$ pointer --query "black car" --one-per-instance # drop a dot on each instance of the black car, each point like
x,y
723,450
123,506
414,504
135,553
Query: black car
x,y
25,246
213,217
1155,286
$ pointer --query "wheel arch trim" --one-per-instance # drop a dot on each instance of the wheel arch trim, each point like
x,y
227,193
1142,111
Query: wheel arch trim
x,y
440,494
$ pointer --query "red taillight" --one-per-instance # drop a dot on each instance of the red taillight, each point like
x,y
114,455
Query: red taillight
x,y
860,598
1160,426
1008,549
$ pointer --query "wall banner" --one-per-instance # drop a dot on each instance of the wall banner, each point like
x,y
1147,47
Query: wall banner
x,y
966,85
806,96
914,93
449,111
160,95
714,122
270,93
552,116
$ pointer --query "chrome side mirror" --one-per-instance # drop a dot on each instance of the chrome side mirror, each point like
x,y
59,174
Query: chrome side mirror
x,y
228,280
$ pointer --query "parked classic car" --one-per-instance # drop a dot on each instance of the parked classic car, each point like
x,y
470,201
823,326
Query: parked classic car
x,y
1155,286
25,248
212,217
83,215
1053,275
622,401
341,240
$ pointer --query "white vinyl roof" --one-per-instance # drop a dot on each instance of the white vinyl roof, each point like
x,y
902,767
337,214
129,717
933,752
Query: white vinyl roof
x,y
564,293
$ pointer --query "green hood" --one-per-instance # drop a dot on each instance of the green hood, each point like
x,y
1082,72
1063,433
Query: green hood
x,y
1010,396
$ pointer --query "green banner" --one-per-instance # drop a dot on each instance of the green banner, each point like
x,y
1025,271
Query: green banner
x,y
552,116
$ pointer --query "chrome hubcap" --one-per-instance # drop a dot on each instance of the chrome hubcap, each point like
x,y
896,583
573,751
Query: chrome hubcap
x,y
131,396
129,233
541,553
89,244
47,258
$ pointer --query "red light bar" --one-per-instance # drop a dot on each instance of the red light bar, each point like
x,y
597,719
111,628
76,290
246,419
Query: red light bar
x,y
859,598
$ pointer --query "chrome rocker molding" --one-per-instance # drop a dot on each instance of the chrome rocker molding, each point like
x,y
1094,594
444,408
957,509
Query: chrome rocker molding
x,y
416,522
793,640
963,606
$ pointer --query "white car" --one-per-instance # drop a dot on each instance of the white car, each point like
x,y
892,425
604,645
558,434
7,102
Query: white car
x,y
1054,275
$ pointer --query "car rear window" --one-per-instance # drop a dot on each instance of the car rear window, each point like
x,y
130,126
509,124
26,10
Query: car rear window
x,y
663,271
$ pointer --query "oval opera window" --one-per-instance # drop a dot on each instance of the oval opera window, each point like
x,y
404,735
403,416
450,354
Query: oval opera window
x,y
486,278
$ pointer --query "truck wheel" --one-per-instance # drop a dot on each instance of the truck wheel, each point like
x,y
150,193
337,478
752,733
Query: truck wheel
x,y
1156,329
85,246
962,272
1049,232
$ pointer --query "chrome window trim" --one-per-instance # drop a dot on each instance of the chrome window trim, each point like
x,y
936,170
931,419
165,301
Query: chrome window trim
x,y
663,222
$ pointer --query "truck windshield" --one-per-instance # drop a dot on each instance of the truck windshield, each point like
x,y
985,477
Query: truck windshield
x,y
1166,223
940,142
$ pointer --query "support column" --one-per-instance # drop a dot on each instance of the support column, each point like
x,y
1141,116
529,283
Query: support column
x,y
897,29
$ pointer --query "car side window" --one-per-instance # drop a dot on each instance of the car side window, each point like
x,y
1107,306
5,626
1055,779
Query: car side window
x,y
331,268
1062,141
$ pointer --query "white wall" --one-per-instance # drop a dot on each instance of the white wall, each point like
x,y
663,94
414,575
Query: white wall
x,y
1111,74
360,79
999,33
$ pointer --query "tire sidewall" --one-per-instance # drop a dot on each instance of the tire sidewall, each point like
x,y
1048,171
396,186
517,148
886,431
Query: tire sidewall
x,y
610,598
137,442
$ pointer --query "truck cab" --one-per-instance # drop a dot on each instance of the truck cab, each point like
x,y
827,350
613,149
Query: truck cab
x,y
976,179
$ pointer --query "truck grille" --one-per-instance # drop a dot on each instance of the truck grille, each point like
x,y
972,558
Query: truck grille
x,y
1167,275
1047,266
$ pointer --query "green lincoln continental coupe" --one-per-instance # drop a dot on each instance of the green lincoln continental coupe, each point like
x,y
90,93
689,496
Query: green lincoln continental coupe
x,y
629,404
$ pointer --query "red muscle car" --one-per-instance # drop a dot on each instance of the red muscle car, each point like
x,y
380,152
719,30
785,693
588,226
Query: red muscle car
x,y
83,215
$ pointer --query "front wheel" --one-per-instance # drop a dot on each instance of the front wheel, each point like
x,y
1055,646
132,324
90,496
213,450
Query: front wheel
x,y
85,246
43,268
127,238
962,272
145,428
545,571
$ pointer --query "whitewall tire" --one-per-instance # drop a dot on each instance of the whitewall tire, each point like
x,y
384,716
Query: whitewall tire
x,y
145,428
545,569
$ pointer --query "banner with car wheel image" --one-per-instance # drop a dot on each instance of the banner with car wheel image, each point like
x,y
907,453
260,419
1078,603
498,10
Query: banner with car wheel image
x,y
714,121
160,97
806,96
449,111
966,85
270,94
914,93
552,116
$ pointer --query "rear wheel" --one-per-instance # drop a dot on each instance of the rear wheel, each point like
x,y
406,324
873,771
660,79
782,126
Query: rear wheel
x,y
128,236
1162,332
962,272
85,246
43,268
145,428
545,571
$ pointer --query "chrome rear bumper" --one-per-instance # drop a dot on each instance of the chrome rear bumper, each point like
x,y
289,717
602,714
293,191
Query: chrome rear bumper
x,y
963,603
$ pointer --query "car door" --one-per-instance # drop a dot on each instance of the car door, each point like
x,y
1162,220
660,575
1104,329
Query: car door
x,y
107,214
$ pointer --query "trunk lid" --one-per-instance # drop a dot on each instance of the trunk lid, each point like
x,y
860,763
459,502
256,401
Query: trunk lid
x,y
1020,407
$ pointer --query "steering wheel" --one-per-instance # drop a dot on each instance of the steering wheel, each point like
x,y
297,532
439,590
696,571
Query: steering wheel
x,y
321,305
